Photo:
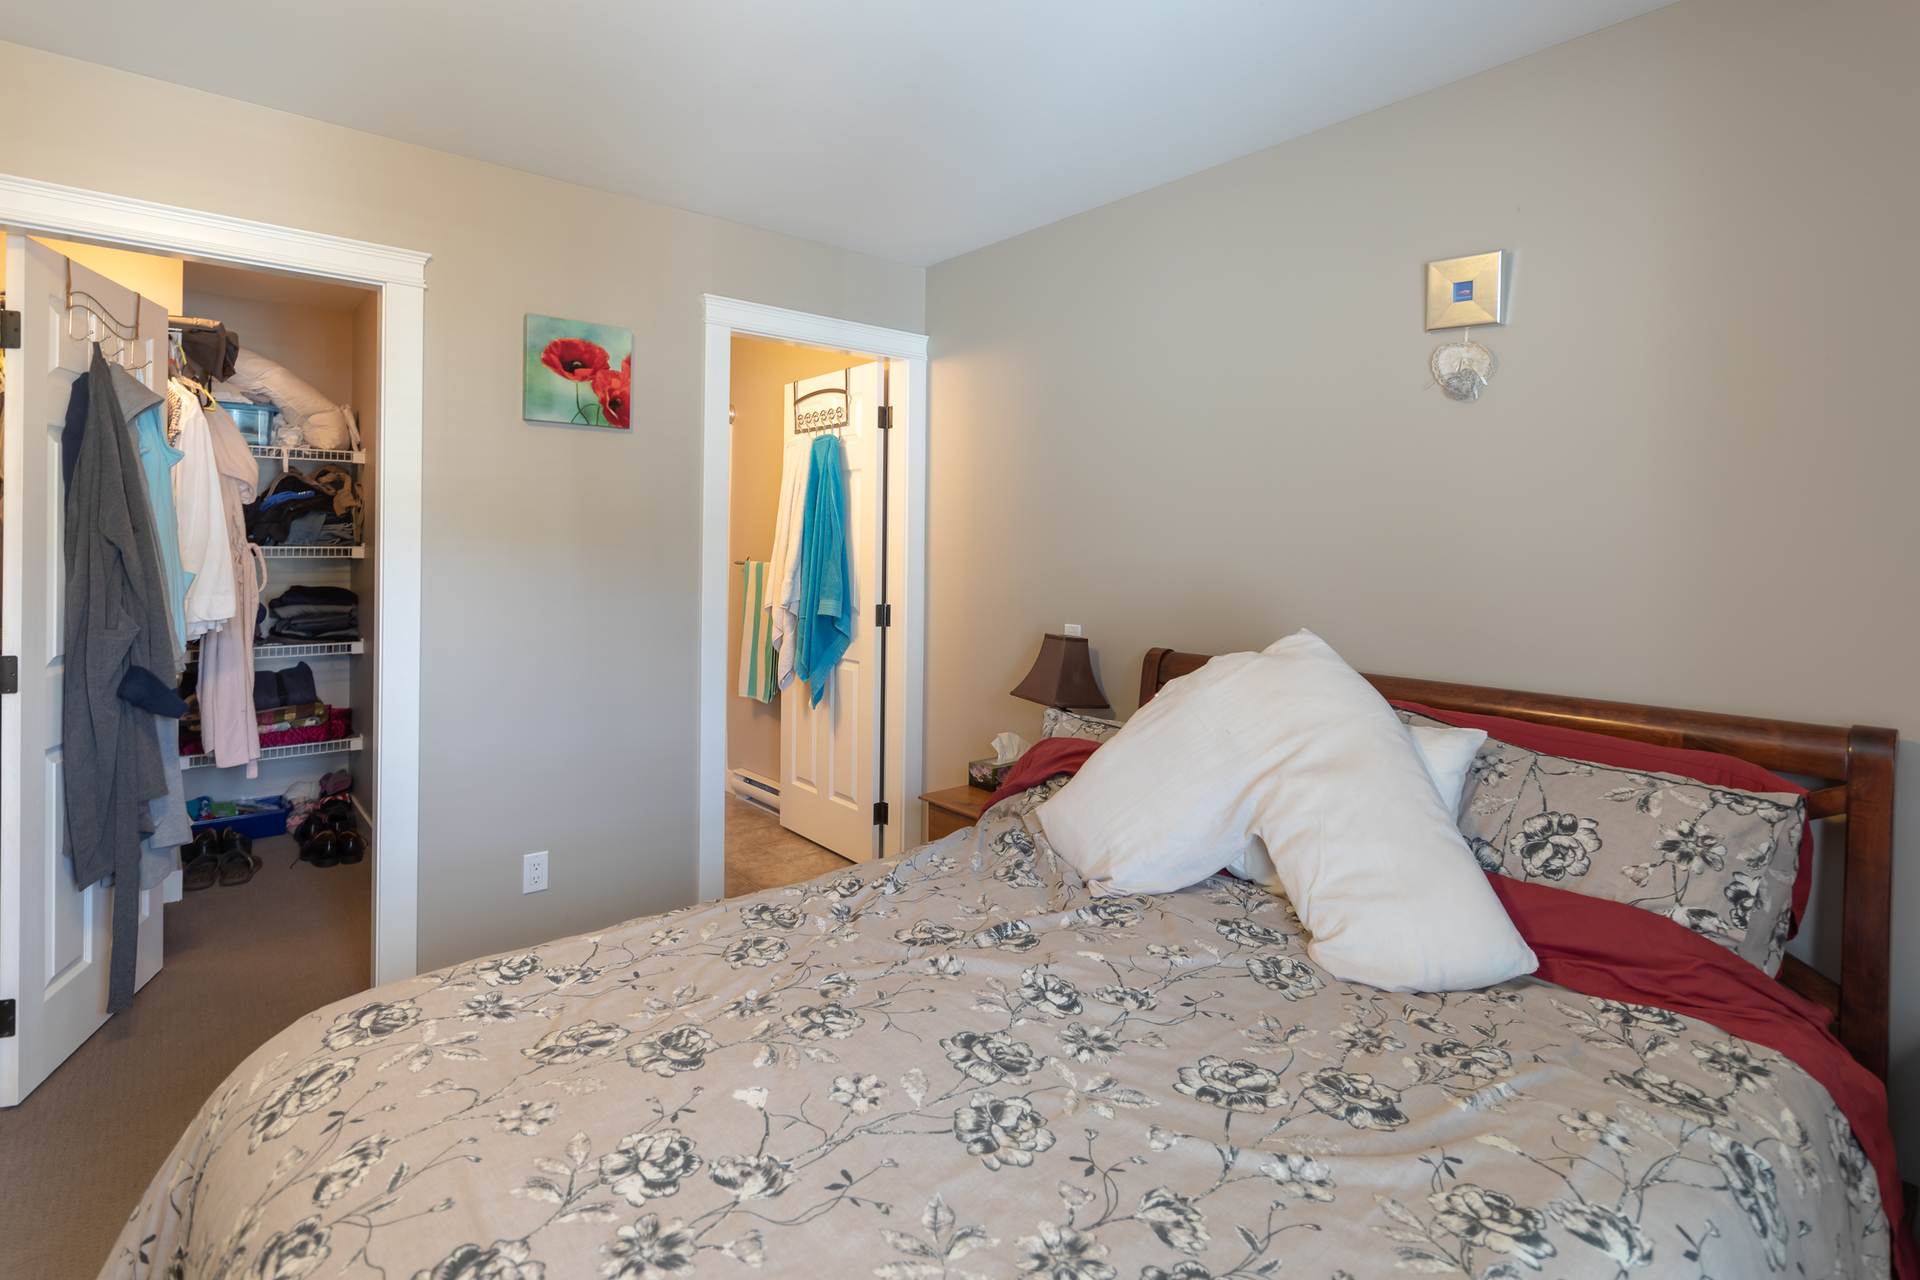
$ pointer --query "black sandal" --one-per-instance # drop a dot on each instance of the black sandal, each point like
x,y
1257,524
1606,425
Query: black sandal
x,y
237,863
202,872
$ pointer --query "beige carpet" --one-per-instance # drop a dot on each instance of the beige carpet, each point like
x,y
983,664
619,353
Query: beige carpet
x,y
241,963
762,854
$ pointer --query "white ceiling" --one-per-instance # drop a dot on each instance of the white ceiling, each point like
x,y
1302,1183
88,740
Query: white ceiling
x,y
911,129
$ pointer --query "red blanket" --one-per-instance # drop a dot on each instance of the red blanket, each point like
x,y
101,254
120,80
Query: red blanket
x,y
1608,949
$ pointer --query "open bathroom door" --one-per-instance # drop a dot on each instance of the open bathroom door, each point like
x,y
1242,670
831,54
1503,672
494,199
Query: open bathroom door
x,y
829,758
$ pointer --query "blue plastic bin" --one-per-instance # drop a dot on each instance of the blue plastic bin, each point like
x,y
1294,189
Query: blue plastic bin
x,y
254,826
254,420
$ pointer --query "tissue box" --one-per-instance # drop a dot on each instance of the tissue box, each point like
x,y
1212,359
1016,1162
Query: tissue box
x,y
987,774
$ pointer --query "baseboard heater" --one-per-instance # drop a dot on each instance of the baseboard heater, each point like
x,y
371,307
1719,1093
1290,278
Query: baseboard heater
x,y
754,789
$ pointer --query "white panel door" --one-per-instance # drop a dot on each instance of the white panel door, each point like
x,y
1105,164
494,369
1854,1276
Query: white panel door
x,y
828,764
54,937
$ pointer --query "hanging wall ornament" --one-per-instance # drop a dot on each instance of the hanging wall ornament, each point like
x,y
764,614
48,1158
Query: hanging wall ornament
x,y
1461,368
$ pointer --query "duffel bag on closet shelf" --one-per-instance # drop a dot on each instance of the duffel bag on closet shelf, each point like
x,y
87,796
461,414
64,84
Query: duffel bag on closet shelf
x,y
322,423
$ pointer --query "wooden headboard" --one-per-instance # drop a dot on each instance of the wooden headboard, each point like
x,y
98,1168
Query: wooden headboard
x,y
1857,761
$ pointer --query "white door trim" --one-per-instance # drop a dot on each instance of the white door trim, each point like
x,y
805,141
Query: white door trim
x,y
71,213
906,750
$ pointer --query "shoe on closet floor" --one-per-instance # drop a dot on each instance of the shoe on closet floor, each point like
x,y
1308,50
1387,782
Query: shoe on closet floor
x,y
237,861
322,850
350,845
203,870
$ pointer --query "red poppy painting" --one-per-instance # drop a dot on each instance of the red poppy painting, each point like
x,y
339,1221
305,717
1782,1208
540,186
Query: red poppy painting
x,y
576,373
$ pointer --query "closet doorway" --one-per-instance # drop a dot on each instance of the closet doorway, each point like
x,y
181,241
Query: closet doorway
x,y
347,316
809,740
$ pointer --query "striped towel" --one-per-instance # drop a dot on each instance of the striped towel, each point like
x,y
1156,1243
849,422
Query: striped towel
x,y
757,673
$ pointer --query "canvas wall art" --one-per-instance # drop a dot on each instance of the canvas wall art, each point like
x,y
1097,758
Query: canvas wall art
x,y
577,373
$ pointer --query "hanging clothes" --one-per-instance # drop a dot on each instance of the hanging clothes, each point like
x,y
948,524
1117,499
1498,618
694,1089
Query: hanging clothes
x,y
826,601
759,672
227,726
117,630
145,415
75,431
783,570
206,554
160,852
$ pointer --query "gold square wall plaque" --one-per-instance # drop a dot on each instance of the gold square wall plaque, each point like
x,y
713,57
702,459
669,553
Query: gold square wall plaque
x,y
1467,291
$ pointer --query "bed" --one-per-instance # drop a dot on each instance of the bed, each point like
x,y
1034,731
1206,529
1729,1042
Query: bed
x,y
958,1063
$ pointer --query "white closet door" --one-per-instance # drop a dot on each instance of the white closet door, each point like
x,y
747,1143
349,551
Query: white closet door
x,y
55,938
828,765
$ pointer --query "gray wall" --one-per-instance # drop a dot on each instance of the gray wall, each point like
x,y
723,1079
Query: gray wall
x,y
1199,417
559,609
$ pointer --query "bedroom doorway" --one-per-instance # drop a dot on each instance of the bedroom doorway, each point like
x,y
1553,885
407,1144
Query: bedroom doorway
x,y
794,788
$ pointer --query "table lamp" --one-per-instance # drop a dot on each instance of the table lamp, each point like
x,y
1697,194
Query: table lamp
x,y
1063,676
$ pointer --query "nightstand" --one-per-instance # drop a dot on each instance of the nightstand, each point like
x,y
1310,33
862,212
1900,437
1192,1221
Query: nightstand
x,y
954,808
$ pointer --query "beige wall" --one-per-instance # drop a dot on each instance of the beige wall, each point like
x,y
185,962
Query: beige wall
x,y
1202,411
315,343
561,575
147,274
761,372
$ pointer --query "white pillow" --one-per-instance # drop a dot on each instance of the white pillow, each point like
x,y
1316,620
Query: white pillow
x,y
1448,754
326,425
1292,751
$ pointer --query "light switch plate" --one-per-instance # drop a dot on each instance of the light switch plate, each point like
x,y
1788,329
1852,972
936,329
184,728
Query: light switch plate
x,y
533,872
1073,628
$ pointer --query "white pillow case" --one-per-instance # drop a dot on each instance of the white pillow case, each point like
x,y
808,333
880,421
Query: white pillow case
x,y
1294,751
325,424
1446,752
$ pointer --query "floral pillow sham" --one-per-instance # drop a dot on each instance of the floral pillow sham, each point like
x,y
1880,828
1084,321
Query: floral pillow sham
x,y
1718,860
1058,722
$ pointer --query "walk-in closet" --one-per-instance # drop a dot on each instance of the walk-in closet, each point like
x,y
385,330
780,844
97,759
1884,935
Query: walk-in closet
x,y
190,446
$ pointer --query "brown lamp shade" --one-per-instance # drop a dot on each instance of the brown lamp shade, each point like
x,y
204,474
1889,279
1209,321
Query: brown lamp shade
x,y
1063,676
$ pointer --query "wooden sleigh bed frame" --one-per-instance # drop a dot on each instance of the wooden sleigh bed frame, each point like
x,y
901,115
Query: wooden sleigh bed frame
x,y
1857,762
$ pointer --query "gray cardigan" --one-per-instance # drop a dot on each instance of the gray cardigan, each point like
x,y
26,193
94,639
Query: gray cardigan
x,y
116,621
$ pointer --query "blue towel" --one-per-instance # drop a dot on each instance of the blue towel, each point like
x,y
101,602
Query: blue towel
x,y
826,582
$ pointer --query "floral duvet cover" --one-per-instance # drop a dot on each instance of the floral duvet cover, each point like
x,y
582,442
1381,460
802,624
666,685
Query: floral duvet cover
x,y
959,1064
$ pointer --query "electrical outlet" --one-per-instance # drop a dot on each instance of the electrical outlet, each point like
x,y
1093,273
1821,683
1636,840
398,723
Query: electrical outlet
x,y
1073,628
533,872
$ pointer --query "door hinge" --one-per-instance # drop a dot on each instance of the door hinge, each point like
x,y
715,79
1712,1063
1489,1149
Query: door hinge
x,y
879,813
885,411
9,675
10,331
6,1019
883,615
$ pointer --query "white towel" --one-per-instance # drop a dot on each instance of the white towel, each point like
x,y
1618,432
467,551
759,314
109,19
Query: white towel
x,y
206,551
783,570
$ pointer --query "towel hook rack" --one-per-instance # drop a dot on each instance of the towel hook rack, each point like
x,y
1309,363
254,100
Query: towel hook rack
x,y
831,418
98,309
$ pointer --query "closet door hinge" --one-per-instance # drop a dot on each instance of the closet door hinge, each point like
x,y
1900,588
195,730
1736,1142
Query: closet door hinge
x,y
10,332
9,675
883,615
879,813
885,411
6,1019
